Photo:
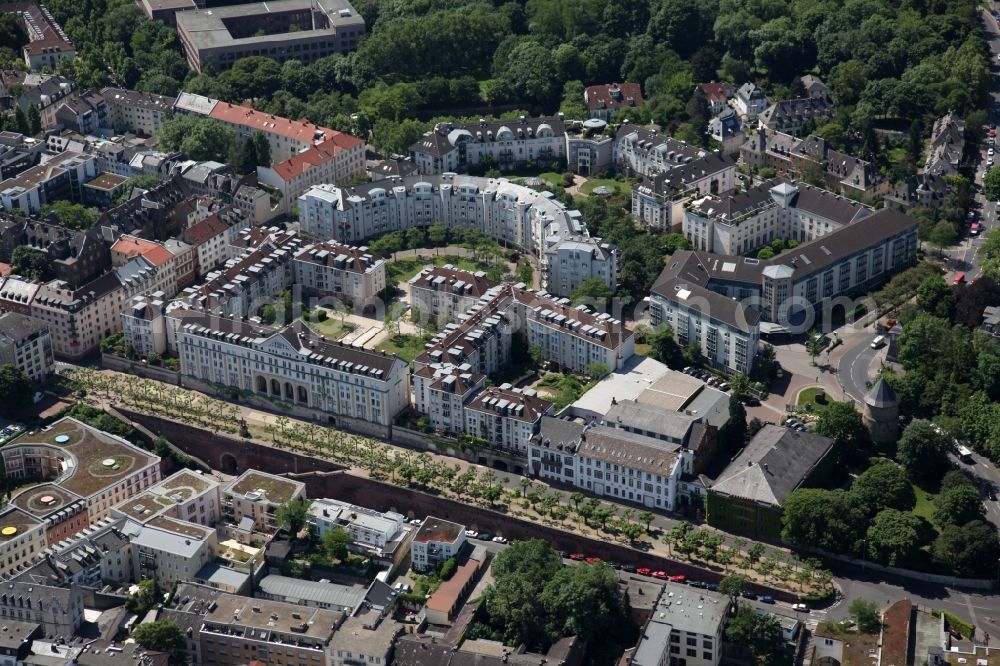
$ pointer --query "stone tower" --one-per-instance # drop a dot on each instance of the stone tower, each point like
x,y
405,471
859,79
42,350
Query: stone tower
x,y
881,413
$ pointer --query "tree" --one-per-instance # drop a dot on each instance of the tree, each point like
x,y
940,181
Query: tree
x,y
292,515
765,253
842,422
895,537
198,138
646,517
34,119
761,633
438,234
16,391
598,370
923,449
824,519
336,542
262,149
884,485
815,345
865,614
958,505
582,601
32,264
664,348
935,297
991,185
163,636
20,121
969,550
593,292
525,273
69,214
733,586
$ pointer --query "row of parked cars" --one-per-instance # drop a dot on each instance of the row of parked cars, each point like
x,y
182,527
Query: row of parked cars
x,y
711,380
484,536
795,424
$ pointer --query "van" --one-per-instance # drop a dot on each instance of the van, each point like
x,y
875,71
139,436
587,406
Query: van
x,y
878,341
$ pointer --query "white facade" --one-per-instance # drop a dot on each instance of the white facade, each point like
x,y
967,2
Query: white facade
x,y
137,111
79,319
367,527
506,418
660,201
172,551
346,272
440,392
645,152
26,344
507,212
568,262
256,495
576,338
441,293
436,541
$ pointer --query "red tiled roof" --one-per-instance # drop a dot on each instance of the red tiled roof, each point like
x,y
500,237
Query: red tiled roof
x,y
130,246
896,633
446,596
599,97
319,154
207,229
716,91
299,130
5,269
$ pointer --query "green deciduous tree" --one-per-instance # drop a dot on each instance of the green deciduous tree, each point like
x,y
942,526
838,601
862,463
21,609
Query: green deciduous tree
x,y
292,515
336,542
969,550
825,519
31,263
923,449
866,615
593,292
71,215
842,422
958,505
163,636
16,391
895,537
884,485
761,633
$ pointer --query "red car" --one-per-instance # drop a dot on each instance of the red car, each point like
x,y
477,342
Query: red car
x,y
578,557
677,579
662,575
594,560
643,571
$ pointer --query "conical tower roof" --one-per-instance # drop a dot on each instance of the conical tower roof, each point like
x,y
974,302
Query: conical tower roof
x,y
881,395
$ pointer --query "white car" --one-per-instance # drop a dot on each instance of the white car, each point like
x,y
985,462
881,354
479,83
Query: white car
x,y
800,607
989,152
499,539
416,521
472,534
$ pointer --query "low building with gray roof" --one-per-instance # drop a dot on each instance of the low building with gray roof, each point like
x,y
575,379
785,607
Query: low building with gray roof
x,y
344,598
686,624
749,494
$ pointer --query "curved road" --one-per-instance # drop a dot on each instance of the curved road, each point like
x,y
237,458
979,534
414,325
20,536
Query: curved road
x,y
853,367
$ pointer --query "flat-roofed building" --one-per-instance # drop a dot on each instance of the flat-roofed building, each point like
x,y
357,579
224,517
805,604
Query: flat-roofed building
x,y
376,531
436,541
61,177
282,30
686,625
314,594
257,495
239,630
171,550
140,112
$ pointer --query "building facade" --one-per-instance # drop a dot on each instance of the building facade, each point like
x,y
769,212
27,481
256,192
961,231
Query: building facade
x,y
348,273
26,344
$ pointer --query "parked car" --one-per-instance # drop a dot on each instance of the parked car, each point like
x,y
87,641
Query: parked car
x,y
643,571
416,521
499,539
802,608
712,587
628,568
751,402
687,369
662,575
748,595
594,560
765,599
579,557
698,583
472,534
677,579
724,386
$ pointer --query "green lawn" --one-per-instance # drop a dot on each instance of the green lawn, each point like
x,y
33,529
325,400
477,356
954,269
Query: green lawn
x,y
614,186
402,270
332,328
642,349
925,505
564,389
552,178
808,397
462,263
407,347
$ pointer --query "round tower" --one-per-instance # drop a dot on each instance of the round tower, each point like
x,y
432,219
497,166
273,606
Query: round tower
x,y
881,413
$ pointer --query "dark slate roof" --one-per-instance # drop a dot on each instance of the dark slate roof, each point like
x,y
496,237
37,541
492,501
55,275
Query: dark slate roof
x,y
681,177
881,395
775,462
555,431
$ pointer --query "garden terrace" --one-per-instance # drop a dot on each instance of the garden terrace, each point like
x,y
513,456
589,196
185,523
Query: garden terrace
x,y
81,459
185,483
14,523
179,527
277,490
43,499
144,506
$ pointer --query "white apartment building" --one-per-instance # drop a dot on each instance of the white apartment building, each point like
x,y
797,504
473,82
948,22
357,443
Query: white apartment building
x,y
685,627
211,237
171,551
740,224
510,213
185,495
506,417
436,541
504,143
143,325
575,338
644,152
61,177
78,319
58,609
568,262
339,159
139,112
344,271
23,538
441,390
256,495
26,344
610,462
441,293
659,202
362,389
368,528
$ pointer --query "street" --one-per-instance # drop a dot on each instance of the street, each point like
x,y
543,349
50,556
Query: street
x,y
853,369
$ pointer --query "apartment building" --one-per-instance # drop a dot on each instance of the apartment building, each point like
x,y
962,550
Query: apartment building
x,y
26,344
240,630
506,418
369,529
256,495
184,495
59,610
721,300
86,113
212,235
442,293
286,137
436,541
742,223
791,157
346,272
76,257
727,129
360,389
61,177
924,190
610,462
568,262
337,159
47,44
589,147
92,557
140,112
143,325
659,201
506,144
172,551
78,319
792,115
282,30
604,100
685,627
749,101
16,294
22,539
441,391
640,151
510,213
947,146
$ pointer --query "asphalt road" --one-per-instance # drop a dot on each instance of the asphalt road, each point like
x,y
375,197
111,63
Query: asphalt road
x,y
853,368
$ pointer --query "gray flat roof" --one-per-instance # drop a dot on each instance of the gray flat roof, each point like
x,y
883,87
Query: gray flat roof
x,y
692,610
295,590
